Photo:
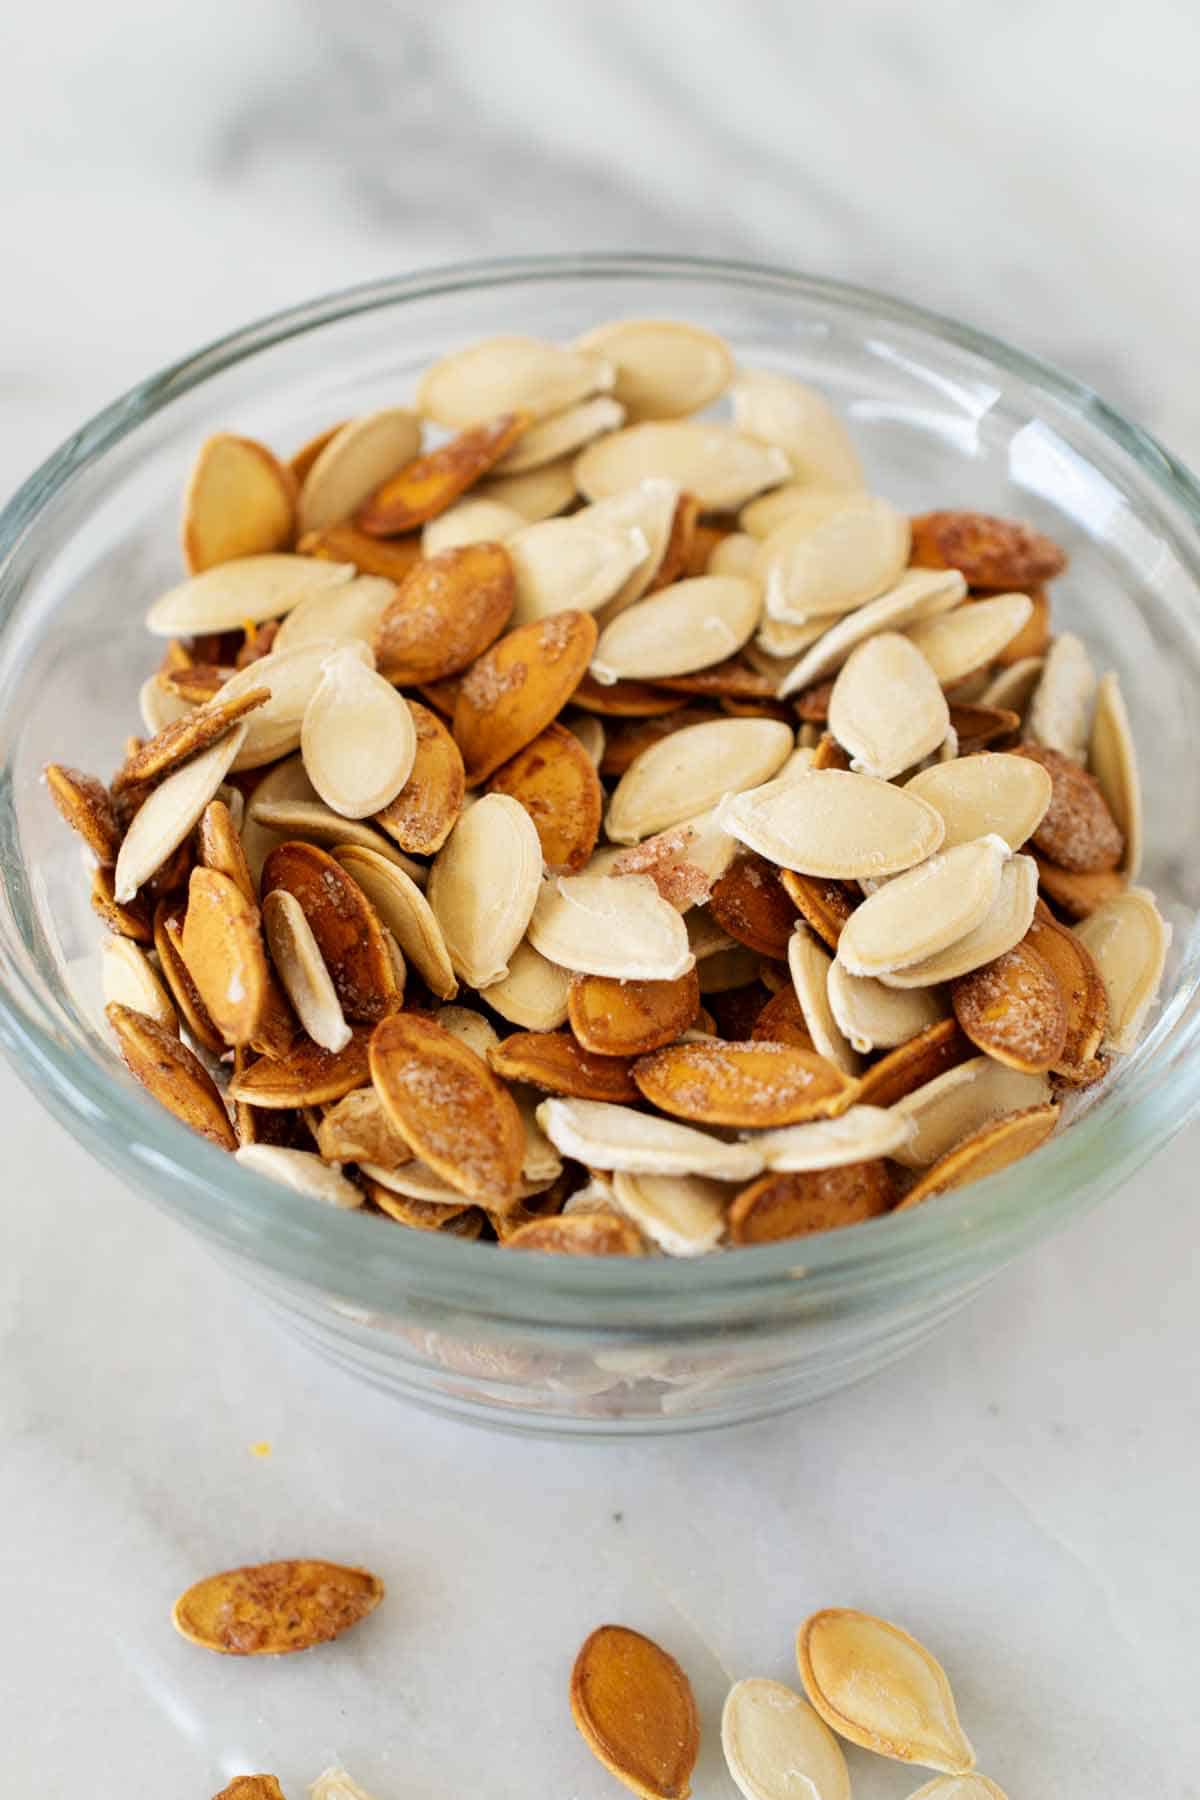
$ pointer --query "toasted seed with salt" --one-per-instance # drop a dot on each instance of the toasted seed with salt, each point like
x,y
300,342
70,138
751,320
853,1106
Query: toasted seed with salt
x,y
781,410
302,1170
955,1104
561,434
968,638
483,887
404,910
875,1017
665,368
470,521
534,992
924,910
1129,939
918,594
880,1688
1014,686
164,819
1112,759
714,462
336,615
1003,925
683,1214
830,823
776,1747
809,966
319,824
989,792
570,563
1058,712
830,560
685,627
357,738
604,1136
687,773
243,592
130,979
301,968
887,707
293,677
610,925
509,374
538,494
857,1135
160,706
357,459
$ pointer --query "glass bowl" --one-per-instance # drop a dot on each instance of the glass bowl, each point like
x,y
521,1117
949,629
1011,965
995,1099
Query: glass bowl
x,y
943,417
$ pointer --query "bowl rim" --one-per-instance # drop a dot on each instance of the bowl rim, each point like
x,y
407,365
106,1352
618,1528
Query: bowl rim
x,y
311,1244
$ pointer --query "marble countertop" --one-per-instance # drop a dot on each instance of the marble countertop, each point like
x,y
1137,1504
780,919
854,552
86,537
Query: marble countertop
x,y
1021,1492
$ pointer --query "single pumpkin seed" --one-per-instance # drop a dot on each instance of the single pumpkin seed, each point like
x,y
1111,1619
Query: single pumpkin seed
x,y
304,1171
665,368
875,1017
924,910
483,887
170,812
130,979
860,1134
959,642
880,1688
337,615
603,1136
651,508
714,462
239,501
690,771
538,494
273,1608
810,965
822,561
470,521
1062,700
1112,759
683,1214
688,626
957,1103
781,410
561,434
358,458
1129,939
777,1748
1002,926
509,374
244,592
829,823
991,792
566,563
887,707
301,968
358,739
533,994
610,925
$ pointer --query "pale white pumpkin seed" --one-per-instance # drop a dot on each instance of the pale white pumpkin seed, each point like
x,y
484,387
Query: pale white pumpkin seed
x,y
713,462
536,495
470,1027
991,792
832,557
809,966
319,824
689,771
968,638
406,913
953,1106
160,706
302,970
302,1170
1112,759
857,1135
483,887
683,1214
533,994
1014,686
649,508
918,594
875,1017
665,367
472,521
776,1747
687,626
908,920
509,374
357,738
357,459
610,925
293,677
734,555
1129,939
887,707
1004,924
834,824
336,615
563,563
245,591
129,978
561,434
783,411
603,1136
1062,700
172,810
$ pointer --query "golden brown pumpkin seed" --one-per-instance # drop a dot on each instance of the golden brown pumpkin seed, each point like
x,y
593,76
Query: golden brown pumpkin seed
x,y
774,1741
516,688
252,1787
751,903
636,1712
602,1136
1014,1010
239,502
1082,988
554,1062
991,552
1077,830
1128,938
245,592
992,1148
358,739
171,1073
781,1206
555,781
86,805
301,1170
781,1020
357,1129
683,862
714,462
345,925
429,484
389,559
358,458
272,1608
880,1688
222,946
580,1234
903,1070
424,812
756,1083
1078,896
627,1018
449,1108
509,374
219,847
956,1104
307,1076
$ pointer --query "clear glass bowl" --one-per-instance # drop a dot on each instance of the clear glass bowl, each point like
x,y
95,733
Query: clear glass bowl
x,y
943,417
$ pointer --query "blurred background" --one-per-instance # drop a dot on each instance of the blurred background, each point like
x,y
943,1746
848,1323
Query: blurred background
x,y
167,172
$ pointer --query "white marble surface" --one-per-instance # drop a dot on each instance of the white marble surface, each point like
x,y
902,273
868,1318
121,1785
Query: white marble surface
x,y
1022,1492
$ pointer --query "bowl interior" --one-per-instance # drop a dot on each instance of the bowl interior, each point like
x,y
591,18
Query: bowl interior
x,y
941,419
